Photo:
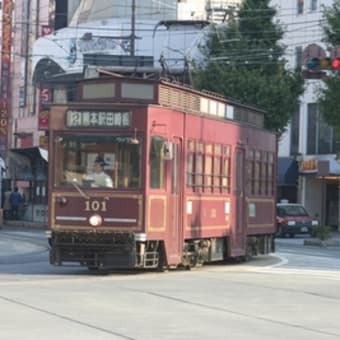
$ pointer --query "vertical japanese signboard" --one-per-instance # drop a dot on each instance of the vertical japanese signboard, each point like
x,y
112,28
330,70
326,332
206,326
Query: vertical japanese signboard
x,y
45,94
5,76
45,97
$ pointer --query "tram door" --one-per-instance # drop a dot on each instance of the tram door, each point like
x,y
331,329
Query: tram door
x,y
239,227
175,230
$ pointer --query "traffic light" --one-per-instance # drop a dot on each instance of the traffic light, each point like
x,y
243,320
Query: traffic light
x,y
336,64
317,64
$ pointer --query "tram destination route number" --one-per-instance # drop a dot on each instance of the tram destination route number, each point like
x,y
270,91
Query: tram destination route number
x,y
105,119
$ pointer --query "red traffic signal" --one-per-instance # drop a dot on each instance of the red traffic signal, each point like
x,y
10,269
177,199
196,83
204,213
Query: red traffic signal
x,y
336,64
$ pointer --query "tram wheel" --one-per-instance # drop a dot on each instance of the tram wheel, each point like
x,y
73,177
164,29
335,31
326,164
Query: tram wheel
x,y
280,232
162,267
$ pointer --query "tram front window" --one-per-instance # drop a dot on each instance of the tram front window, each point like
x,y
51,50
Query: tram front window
x,y
97,162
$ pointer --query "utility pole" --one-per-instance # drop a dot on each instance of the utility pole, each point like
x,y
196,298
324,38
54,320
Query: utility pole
x,y
133,28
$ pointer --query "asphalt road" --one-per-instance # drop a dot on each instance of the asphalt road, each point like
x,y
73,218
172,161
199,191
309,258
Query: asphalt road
x,y
267,298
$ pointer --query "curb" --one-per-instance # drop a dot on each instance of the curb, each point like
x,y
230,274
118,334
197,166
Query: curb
x,y
23,225
320,243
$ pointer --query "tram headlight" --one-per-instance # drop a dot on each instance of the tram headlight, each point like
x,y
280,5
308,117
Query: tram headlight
x,y
96,220
62,200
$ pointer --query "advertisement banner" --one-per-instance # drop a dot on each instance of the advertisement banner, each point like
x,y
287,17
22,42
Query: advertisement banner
x,y
45,98
46,30
5,79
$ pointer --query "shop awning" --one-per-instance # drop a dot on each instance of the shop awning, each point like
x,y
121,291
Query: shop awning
x,y
32,153
28,163
2,163
287,172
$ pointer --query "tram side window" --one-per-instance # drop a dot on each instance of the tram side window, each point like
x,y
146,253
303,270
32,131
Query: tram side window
x,y
156,163
195,166
208,171
257,173
199,166
190,170
208,167
226,168
217,167
191,164
198,171
260,173
264,174
270,172
251,172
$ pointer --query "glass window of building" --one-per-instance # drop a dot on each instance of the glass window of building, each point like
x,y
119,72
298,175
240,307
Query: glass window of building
x,y
299,6
294,132
313,5
320,136
298,57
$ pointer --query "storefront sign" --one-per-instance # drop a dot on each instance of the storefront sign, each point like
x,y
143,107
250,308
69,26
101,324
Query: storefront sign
x,y
45,98
100,119
43,142
5,78
310,166
46,30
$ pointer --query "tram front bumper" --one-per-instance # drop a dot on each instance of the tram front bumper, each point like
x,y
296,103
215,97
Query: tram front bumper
x,y
106,250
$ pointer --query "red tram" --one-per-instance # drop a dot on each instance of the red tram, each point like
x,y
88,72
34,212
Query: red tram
x,y
189,177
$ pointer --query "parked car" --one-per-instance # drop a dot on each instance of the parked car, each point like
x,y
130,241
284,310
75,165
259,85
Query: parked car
x,y
292,219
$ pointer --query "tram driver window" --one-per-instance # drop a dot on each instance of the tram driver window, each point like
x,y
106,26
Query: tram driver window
x,y
76,155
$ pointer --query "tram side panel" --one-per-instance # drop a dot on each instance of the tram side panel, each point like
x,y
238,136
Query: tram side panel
x,y
210,203
261,198
164,201
236,214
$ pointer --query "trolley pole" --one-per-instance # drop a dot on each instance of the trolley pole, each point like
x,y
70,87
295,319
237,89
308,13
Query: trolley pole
x,y
133,28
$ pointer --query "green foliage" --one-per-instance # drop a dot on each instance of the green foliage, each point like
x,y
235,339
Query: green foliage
x,y
244,61
330,104
331,24
323,233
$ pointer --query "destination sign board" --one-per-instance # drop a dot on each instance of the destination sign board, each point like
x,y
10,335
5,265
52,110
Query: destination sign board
x,y
100,119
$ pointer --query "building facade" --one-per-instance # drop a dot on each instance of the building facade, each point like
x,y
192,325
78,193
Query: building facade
x,y
48,39
309,141
216,11
308,172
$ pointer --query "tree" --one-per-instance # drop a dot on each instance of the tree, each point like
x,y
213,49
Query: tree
x,y
244,60
329,94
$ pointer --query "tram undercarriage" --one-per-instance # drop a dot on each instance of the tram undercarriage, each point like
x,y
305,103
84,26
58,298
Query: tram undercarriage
x,y
122,251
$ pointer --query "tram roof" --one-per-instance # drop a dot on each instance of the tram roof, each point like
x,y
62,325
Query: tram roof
x,y
111,73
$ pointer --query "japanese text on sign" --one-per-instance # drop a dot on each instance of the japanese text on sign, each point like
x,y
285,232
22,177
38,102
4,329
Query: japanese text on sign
x,y
105,119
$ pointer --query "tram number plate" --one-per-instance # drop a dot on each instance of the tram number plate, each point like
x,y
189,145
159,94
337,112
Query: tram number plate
x,y
304,229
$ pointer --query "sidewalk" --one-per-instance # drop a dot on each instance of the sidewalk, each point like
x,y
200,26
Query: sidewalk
x,y
334,241
19,241
23,224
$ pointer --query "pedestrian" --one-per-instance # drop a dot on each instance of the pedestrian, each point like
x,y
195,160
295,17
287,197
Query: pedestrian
x,y
7,205
15,200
